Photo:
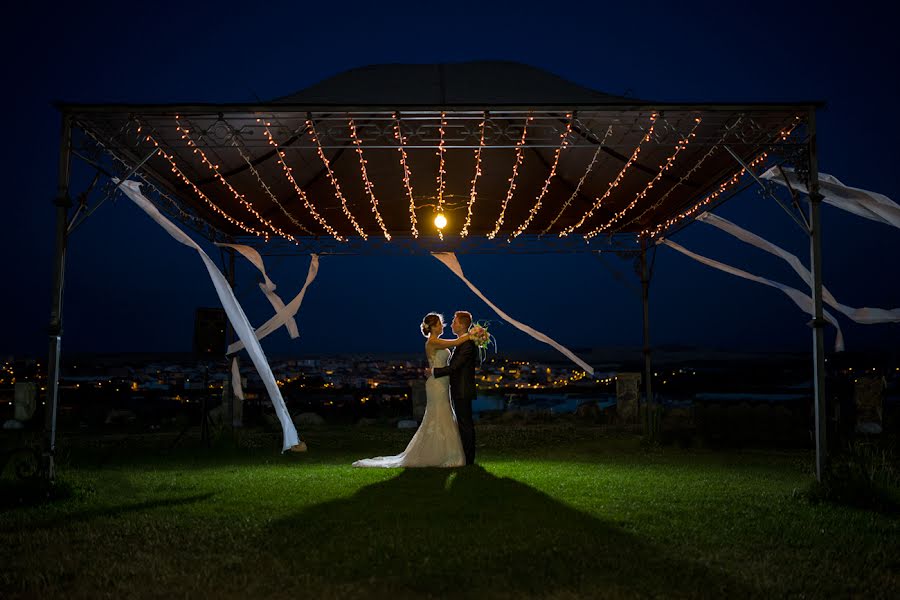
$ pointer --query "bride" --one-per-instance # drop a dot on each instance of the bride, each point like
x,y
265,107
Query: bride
x,y
436,442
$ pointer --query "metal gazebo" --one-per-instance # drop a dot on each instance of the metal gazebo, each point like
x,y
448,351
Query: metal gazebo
x,y
513,158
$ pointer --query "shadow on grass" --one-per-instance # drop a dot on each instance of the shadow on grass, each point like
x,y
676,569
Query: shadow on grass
x,y
465,531
31,492
114,511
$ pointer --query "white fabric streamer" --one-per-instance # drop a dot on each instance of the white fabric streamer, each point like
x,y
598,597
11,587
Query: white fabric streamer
x,y
236,379
267,287
802,300
238,408
864,315
232,307
288,312
449,259
863,203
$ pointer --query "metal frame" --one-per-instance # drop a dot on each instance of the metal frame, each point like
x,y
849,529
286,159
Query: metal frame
x,y
126,131
798,217
154,188
651,420
624,245
806,157
74,224
407,245
220,128
62,202
818,323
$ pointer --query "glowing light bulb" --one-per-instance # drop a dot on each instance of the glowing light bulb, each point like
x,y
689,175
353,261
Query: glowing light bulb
x,y
440,221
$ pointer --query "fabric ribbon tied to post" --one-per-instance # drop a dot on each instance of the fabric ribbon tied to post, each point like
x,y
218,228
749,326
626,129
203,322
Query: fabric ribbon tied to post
x,y
870,205
865,315
233,309
802,300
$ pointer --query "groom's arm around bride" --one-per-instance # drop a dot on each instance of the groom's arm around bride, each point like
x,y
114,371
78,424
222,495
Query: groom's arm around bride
x,y
462,359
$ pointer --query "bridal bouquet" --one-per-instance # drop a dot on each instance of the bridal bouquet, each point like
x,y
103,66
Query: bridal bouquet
x,y
478,333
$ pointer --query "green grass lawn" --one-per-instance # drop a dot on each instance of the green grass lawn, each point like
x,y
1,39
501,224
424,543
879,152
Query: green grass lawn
x,y
549,512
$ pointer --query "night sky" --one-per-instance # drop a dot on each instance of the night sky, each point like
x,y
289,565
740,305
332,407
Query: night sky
x,y
130,287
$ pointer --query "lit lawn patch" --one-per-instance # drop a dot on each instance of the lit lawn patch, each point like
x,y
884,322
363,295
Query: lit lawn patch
x,y
547,513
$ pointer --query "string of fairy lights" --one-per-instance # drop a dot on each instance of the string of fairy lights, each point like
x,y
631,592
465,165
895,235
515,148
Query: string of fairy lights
x,y
195,138
563,137
581,181
214,168
299,191
615,182
183,215
723,187
441,183
313,134
242,151
520,146
688,175
407,183
365,177
679,147
187,181
472,194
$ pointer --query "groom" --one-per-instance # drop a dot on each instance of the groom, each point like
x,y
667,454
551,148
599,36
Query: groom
x,y
461,371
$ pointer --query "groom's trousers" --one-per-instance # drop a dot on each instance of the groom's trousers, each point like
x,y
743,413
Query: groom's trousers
x,y
463,409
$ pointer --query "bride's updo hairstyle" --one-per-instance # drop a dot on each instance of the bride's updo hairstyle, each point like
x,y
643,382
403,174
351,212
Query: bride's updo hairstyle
x,y
430,320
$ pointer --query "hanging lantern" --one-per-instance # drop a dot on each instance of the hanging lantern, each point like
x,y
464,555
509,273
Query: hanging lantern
x,y
440,221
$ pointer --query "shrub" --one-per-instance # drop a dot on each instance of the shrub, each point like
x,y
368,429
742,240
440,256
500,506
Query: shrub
x,y
864,474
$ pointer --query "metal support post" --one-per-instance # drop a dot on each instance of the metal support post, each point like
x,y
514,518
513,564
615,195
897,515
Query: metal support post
x,y
650,406
62,202
818,322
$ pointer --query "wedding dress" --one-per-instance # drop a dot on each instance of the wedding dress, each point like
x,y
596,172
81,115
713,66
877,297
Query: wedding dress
x,y
436,442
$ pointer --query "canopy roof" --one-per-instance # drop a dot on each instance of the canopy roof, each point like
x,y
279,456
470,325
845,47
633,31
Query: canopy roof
x,y
376,152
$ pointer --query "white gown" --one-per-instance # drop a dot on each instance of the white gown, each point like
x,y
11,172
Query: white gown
x,y
436,442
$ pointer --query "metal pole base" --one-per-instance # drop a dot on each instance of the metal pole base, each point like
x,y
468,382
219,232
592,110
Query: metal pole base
x,y
48,467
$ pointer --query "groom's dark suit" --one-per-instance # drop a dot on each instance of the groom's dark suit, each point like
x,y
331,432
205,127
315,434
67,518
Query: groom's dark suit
x,y
461,371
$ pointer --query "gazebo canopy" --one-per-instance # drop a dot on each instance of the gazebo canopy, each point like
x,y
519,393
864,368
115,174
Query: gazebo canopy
x,y
506,152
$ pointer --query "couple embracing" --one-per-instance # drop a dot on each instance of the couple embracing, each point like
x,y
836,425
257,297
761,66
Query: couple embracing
x,y
446,436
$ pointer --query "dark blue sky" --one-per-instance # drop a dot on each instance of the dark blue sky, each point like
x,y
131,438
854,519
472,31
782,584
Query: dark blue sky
x,y
132,288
